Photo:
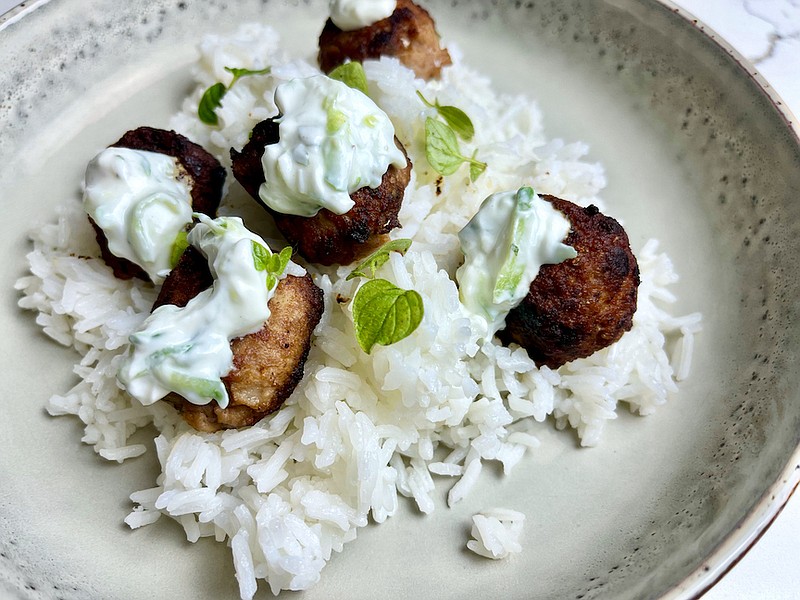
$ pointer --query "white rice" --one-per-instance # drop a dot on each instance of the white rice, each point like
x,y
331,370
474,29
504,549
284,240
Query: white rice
x,y
496,533
360,429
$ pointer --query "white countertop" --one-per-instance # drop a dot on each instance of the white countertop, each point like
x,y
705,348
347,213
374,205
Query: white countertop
x,y
767,32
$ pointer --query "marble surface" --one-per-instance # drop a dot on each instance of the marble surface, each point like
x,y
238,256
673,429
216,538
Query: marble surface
x,y
767,32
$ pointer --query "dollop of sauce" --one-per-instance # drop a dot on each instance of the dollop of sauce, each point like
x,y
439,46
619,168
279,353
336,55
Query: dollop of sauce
x,y
512,235
348,15
187,350
138,200
334,140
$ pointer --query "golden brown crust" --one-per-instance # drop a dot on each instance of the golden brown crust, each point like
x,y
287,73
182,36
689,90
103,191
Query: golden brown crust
x,y
328,238
204,176
581,305
408,34
268,364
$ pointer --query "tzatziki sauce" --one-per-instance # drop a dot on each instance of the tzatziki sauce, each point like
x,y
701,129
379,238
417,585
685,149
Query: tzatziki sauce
x,y
334,140
187,350
512,235
141,205
349,15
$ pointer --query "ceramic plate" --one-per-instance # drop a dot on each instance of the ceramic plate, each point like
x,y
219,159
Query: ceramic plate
x,y
697,154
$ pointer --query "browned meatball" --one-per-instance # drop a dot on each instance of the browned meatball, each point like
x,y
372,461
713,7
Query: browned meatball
x,y
328,238
581,305
199,170
408,34
268,364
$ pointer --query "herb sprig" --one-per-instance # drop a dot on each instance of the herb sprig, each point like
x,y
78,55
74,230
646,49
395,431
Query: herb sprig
x,y
444,153
212,97
441,140
274,264
382,312
456,118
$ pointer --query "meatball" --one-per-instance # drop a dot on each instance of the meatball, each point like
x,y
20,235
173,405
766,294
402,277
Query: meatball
x,y
328,238
408,34
268,364
201,172
581,305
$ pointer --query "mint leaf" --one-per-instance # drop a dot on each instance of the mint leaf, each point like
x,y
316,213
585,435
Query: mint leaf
x,y
210,102
384,313
351,74
375,260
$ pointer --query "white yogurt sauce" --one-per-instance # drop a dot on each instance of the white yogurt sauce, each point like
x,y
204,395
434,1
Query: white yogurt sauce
x,y
334,140
187,350
506,242
348,15
137,200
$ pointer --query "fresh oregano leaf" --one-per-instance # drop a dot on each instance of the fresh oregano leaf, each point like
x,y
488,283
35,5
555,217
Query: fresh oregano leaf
x,y
458,121
456,118
443,152
441,147
476,167
212,97
211,100
178,247
261,255
351,74
274,264
384,313
375,260
281,260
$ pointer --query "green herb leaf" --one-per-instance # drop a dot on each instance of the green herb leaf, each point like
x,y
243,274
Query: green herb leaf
x,y
456,118
261,256
212,97
476,167
178,247
351,74
239,73
384,313
274,264
278,264
458,121
211,100
374,261
441,147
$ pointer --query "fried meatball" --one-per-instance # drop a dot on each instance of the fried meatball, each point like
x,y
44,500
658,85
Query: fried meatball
x,y
408,34
268,364
199,170
328,238
583,304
